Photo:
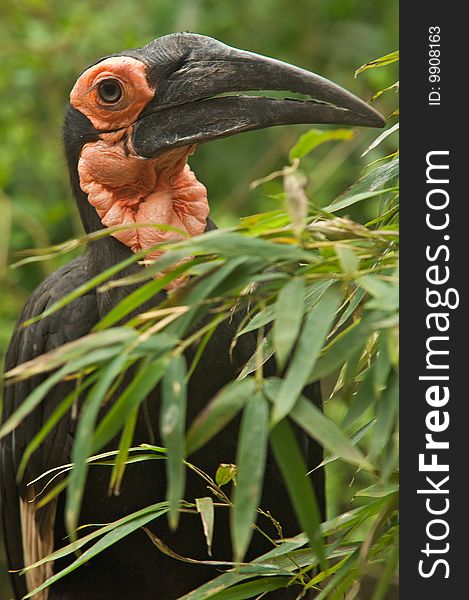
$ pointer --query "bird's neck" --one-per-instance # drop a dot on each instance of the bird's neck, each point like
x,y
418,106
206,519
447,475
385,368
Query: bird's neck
x,y
126,190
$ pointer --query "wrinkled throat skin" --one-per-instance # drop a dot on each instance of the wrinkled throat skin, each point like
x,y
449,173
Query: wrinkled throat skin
x,y
124,188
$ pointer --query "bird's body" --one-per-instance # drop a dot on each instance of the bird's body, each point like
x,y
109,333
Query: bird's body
x,y
132,568
132,122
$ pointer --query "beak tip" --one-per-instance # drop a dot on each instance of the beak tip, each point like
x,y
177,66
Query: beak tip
x,y
376,118
380,121
373,119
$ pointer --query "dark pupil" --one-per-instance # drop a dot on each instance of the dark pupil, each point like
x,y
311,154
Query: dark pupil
x,y
110,91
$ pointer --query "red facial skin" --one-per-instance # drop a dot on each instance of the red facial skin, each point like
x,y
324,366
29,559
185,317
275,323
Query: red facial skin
x,y
122,187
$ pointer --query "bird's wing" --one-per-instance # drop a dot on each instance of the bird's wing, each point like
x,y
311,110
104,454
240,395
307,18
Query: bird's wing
x,y
28,531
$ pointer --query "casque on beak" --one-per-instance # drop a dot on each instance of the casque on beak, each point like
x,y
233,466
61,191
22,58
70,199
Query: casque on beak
x,y
190,73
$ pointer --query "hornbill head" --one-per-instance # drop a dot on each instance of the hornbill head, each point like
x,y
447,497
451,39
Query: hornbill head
x,y
136,116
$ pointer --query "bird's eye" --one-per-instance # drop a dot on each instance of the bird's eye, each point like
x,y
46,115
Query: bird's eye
x,y
110,91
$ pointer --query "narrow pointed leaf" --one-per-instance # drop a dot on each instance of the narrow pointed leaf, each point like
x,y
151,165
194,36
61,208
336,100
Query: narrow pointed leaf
x,y
387,407
143,382
38,394
172,429
83,443
250,459
300,489
314,137
316,327
253,589
207,514
308,416
289,313
224,407
110,538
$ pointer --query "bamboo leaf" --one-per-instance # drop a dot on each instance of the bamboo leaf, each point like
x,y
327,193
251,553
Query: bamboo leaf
x,y
75,546
383,61
312,420
144,380
316,327
314,137
353,199
380,139
288,317
340,349
141,295
252,588
172,429
387,407
220,411
372,180
59,412
38,394
250,459
112,537
122,455
290,461
225,473
83,443
207,514
364,398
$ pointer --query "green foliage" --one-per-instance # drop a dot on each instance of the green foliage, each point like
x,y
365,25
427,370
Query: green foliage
x,y
45,44
331,268
339,278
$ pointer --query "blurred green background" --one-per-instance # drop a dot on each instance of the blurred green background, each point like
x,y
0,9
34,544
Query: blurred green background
x,y
45,44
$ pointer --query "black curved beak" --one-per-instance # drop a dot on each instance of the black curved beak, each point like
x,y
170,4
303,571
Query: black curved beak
x,y
190,72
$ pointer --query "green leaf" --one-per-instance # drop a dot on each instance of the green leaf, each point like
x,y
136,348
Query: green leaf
x,y
341,203
225,473
354,439
314,137
230,275
340,349
313,294
123,453
380,139
207,514
316,327
349,261
300,489
387,407
385,294
83,442
262,318
141,295
72,351
264,565
38,394
250,459
144,380
172,429
363,399
383,61
288,317
378,490
266,349
116,534
346,572
60,411
372,180
218,413
85,287
312,420
390,565
252,588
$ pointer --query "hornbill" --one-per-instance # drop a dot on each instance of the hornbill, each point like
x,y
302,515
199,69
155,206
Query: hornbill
x,y
133,120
